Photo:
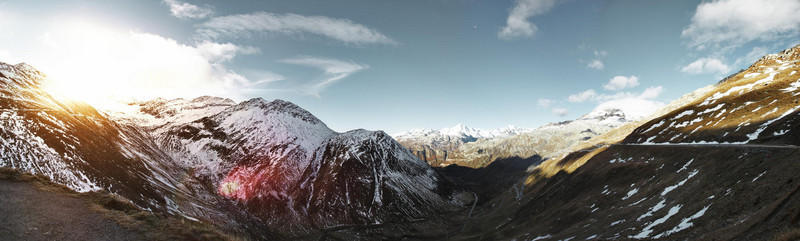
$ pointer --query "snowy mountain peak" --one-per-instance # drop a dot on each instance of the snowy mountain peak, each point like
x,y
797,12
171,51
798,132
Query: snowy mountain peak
x,y
280,106
461,131
605,114
21,72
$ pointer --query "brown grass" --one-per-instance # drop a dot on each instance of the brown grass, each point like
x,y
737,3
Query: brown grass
x,y
789,235
153,226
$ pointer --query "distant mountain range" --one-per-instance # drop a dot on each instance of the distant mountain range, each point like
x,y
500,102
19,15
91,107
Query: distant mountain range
x,y
718,163
472,147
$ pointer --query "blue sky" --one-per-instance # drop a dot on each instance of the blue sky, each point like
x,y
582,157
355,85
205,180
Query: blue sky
x,y
398,65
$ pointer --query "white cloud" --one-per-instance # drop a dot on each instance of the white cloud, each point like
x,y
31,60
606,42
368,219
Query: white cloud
x,y
517,24
728,24
545,103
247,25
560,111
583,96
184,10
333,70
600,53
706,66
222,52
652,92
621,82
596,64
634,108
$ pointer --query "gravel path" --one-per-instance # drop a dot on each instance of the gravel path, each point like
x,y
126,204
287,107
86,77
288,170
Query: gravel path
x,y
28,213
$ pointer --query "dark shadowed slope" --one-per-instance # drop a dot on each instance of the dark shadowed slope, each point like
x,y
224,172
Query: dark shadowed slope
x,y
722,167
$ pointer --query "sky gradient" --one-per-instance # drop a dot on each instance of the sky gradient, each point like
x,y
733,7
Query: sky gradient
x,y
399,65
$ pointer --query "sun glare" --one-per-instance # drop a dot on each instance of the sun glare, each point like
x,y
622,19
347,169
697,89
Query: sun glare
x,y
92,63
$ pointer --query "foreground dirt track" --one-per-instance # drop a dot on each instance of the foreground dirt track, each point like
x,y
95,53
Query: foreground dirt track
x,y
32,214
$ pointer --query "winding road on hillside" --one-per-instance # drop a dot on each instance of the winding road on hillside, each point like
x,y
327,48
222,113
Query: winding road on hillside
x,y
710,145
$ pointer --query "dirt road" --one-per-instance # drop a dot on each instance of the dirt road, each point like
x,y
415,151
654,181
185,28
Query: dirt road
x,y
28,213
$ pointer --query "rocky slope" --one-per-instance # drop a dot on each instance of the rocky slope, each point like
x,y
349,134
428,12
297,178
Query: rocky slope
x,y
720,166
263,169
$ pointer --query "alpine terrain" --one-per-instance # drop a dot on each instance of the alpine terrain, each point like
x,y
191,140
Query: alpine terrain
x,y
718,163
262,169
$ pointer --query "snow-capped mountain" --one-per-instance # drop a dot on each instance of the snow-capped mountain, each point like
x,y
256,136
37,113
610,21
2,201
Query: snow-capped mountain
x,y
459,131
547,141
436,146
719,164
757,105
265,169
459,145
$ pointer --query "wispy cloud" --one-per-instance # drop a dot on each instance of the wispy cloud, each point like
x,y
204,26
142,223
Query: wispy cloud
x,y
582,97
222,52
560,111
634,108
752,56
184,10
621,82
632,104
517,24
706,66
651,92
728,24
333,71
545,103
248,25
597,62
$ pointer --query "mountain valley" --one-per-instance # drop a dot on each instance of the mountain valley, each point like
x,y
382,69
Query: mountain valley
x,y
718,163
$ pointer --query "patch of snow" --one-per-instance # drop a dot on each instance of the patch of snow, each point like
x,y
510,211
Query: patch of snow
x,y
659,124
630,193
716,108
542,237
754,135
751,75
682,114
652,210
670,188
686,165
759,176
685,223
649,229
